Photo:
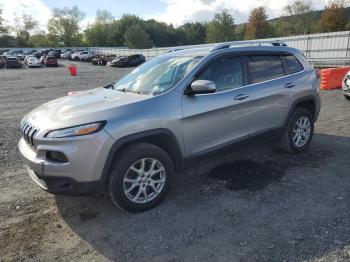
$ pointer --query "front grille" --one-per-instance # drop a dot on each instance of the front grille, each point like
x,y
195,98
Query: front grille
x,y
28,132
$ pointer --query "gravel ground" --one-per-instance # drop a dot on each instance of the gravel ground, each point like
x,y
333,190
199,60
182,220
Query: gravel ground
x,y
255,204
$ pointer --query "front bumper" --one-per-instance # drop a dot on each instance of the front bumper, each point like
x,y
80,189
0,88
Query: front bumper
x,y
80,175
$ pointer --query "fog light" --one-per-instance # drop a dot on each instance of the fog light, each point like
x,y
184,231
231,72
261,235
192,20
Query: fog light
x,y
56,156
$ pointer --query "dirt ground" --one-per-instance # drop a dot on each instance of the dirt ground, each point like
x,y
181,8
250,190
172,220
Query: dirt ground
x,y
255,204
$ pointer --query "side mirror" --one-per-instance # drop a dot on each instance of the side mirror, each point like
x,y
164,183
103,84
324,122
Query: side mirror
x,y
201,87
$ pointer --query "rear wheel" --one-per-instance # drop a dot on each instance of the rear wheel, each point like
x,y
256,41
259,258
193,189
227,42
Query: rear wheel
x,y
299,131
141,178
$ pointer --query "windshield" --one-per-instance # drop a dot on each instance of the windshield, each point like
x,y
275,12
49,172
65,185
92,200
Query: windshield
x,y
158,75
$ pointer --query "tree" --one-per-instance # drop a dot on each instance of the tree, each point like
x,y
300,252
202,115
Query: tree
x,y
63,27
24,26
300,8
3,28
222,28
39,39
257,26
195,33
100,33
136,37
333,17
283,28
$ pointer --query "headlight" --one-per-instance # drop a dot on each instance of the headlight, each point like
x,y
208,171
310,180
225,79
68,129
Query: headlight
x,y
77,130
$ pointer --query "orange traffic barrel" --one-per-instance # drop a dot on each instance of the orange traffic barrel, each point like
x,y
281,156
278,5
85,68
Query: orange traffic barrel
x,y
331,78
73,70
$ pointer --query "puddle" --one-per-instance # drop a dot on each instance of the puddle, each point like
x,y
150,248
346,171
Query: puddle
x,y
88,216
247,174
38,87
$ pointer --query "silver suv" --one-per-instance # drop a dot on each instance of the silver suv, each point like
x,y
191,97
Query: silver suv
x,y
128,138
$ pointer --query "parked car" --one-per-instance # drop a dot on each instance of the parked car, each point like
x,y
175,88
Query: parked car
x,y
128,138
81,56
27,57
125,61
33,62
8,53
13,62
66,54
55,53
2,61
346,86
102,60
36,54
50,61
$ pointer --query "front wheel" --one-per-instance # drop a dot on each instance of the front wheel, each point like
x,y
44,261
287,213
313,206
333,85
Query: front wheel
x,y
141,178
299,131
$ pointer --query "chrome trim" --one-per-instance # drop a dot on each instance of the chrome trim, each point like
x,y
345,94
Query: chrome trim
x,y
28,132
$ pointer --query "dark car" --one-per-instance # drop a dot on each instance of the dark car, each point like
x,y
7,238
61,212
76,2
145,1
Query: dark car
x,y
125,61
50,61
2,61
55,53
13,62
37,54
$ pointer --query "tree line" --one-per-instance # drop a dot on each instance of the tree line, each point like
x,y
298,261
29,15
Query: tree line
x,y
63,27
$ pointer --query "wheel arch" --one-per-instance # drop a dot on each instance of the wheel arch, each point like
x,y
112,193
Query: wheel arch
x,y
308,102
163,138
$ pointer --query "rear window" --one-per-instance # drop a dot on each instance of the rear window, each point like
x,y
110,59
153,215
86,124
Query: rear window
x,y
292,64
264,67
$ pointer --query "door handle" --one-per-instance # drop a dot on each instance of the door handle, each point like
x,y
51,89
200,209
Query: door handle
x,y
289,85
241,97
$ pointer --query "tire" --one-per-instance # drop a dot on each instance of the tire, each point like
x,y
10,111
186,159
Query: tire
x,y
76,58
287,142
133,156
347,97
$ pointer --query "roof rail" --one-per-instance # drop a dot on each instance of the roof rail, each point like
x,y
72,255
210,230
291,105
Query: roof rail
x,y
174,50
247,43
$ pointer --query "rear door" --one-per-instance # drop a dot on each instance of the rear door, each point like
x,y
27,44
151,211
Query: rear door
x,y
214,120
272,89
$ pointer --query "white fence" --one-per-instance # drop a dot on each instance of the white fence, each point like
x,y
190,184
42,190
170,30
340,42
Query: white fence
x,y
327,49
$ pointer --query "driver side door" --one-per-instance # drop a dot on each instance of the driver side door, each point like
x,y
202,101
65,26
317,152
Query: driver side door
x,y
214,120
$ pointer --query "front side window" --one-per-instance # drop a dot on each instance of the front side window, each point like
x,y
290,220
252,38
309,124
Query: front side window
x,y
225,72
158,75
264,67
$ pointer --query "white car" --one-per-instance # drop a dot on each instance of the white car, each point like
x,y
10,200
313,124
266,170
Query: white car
x,y
66,55
27,58
33,62
82,56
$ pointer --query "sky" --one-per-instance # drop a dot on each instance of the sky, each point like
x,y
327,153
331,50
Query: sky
x,y
176,12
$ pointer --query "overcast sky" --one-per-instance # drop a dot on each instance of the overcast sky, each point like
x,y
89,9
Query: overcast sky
x,y
171,11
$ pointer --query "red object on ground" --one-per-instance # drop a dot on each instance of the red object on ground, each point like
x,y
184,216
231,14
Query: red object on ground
x,y
73,70
331,78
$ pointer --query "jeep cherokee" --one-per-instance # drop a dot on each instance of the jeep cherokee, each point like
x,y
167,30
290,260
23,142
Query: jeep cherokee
x,y
129,137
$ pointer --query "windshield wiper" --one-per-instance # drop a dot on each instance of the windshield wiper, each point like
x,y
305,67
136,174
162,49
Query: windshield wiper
x,y
111,85
123,90
128,91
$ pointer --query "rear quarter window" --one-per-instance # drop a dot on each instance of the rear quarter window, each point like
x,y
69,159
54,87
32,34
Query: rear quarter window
x,y
264,67
292,64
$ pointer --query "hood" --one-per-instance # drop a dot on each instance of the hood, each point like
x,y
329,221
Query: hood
x,y
81,107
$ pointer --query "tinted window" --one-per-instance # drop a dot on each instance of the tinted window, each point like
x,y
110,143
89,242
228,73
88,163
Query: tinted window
x,y
292,63
225,72
264,67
